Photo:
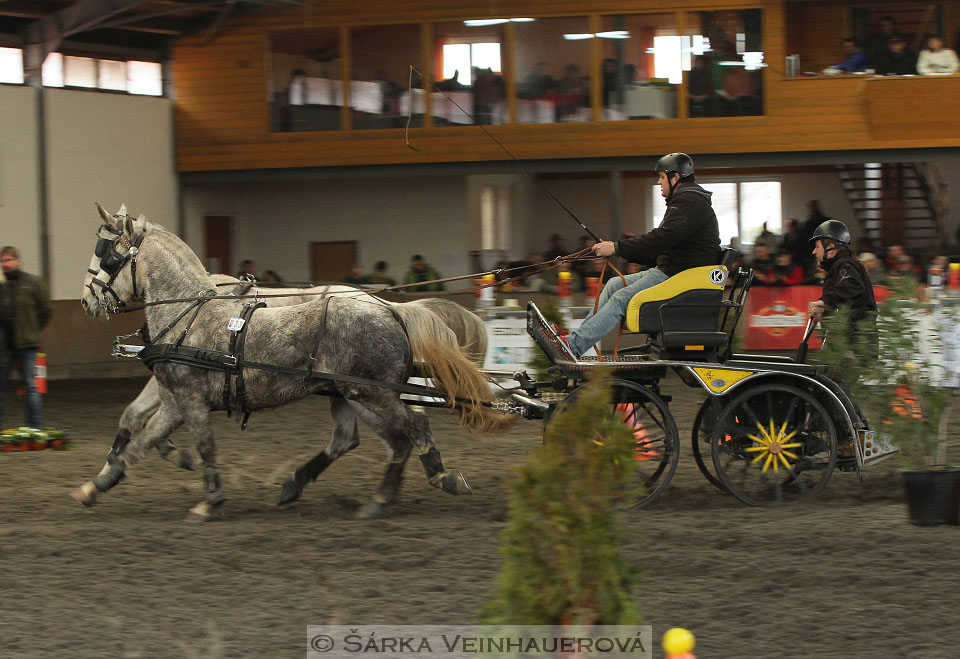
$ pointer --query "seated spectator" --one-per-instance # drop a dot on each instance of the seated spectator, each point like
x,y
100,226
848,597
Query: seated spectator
x,y
794,243
556,248
904,268
856,61
879,43
936,59
271,277
872,264
547,281
538,83
356,276
762,264
704,101
740,89
897,60
766,237
785,272
421,271
380,276
247,270
574,90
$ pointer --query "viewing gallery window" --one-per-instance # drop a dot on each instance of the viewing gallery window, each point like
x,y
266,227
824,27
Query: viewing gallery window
x,y
383,88
723,53
741,208
306,87
133,77
468,73
552,70
641,66
11,65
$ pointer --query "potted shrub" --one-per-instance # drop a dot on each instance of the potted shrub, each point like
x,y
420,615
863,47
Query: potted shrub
x,y
906,390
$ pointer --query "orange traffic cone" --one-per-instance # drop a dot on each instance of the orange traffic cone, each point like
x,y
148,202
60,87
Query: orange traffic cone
x,y
40,373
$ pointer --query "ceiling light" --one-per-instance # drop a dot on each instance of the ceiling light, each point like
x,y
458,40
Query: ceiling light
x,y
480,22
578,36
522,20
614,34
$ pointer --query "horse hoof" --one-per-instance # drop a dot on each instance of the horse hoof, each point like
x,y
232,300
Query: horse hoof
x,y
454,484
373,510
200,512
289,492
185,460
86,494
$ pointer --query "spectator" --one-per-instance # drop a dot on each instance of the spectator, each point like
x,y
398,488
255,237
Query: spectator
x,y
556,248
547,281
380,276
704,101
271,277
871,263
894,252
879,43
785,272
766,237
538,83
905,268
356,276
421,271
794,243
740,89
612,83
574,90
27,311
247,270
897,60
937,60
856,61
762,266
487,92
815,217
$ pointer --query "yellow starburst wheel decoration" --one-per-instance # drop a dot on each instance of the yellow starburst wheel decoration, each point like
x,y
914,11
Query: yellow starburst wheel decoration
x,y
773,447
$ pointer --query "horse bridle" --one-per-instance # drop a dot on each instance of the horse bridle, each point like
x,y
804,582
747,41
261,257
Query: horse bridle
x,y
112,262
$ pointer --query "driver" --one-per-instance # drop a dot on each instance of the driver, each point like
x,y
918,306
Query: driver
x,y
688,237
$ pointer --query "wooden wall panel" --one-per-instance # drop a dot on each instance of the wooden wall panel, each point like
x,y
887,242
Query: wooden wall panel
x,y
223,113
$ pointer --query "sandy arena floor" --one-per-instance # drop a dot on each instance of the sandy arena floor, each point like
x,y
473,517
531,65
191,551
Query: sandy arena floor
x,y
843,576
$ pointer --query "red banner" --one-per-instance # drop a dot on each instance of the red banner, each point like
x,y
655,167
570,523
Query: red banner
x,y
776,316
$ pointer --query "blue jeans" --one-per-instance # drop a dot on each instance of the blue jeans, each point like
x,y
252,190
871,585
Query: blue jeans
x,y
28,360
611,307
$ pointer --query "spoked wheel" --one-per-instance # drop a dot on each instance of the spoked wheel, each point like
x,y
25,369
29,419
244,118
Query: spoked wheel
x,y
772,444
657,448
702,436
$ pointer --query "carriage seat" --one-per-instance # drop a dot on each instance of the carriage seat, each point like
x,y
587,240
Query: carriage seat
x,y
682,313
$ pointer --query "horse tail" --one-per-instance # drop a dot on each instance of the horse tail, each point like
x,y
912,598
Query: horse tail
x,y
435,344
469,329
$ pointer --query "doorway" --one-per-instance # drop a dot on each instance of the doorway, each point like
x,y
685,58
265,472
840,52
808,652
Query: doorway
x,y
332,261
217,238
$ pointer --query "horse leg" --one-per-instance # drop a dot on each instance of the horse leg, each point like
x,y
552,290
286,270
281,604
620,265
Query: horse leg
x,y
390,485
134,418
346,437
197,418
397,424
159,427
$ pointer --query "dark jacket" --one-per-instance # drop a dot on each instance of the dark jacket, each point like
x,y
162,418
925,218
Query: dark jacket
x,y
29,303
904,64
688,237
847,283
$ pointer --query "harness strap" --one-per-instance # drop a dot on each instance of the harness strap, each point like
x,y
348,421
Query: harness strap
x,y
323,329
236,349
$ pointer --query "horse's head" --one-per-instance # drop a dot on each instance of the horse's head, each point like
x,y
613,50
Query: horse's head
x,y
111,278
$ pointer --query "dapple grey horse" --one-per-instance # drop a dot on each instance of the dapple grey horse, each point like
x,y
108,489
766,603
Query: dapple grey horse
x,y
467,326
358,349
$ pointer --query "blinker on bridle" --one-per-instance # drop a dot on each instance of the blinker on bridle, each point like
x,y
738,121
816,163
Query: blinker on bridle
x,y
112,262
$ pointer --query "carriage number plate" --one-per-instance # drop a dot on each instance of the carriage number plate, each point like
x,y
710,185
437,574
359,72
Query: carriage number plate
x,y
235,324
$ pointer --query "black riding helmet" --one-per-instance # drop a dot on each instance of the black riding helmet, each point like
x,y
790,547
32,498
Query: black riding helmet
x,y
679,163
832,230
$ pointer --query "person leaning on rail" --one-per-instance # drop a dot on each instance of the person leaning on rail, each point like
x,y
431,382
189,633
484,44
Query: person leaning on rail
x,y
688,237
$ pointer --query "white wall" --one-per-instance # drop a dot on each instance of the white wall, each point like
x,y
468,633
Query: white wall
x,y
19,196
391,219
110,148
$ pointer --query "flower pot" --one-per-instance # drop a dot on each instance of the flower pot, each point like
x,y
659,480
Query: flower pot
x,y
933,496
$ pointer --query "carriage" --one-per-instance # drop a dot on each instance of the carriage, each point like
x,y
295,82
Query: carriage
x,y
772,425
772,428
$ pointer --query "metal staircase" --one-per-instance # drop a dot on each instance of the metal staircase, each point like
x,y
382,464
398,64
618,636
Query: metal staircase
x,y
895,203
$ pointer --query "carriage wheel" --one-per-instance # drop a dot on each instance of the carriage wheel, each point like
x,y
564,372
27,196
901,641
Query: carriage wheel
x,y
701,437
774,443
657,448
